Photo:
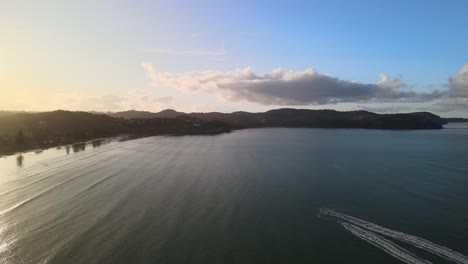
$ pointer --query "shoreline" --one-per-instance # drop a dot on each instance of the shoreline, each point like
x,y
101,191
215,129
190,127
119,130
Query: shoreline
x,y
126,137
119,138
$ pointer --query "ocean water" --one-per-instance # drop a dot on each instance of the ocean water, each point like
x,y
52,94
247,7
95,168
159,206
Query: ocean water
x,y
251,196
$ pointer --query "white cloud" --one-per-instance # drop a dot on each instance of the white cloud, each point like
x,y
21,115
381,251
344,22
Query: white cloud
x,y
287,87
459,83
457,99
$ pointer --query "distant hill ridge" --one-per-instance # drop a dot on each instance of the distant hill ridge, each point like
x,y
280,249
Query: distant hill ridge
x,y
288,117
25,131
168,113
456,119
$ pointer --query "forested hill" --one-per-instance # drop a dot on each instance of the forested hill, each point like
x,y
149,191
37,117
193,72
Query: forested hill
x,y
308,118
168,113
22,131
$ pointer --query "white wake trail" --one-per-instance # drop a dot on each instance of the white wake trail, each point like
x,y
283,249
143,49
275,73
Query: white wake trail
x,y
421,243
385,245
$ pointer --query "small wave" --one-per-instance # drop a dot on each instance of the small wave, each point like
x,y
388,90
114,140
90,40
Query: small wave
x,y
87,172
68,160
385,245
96,183
32,198
59,173
421,243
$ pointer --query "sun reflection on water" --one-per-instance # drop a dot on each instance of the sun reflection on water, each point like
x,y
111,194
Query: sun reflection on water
x,y
5,242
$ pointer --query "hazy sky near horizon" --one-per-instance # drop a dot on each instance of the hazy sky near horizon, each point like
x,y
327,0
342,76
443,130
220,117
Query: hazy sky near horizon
x,y
382,56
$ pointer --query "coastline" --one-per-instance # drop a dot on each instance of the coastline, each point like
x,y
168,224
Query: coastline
x,y
77,144
126,137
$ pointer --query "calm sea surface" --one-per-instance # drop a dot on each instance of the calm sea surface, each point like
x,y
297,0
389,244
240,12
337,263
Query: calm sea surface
x,y
251,196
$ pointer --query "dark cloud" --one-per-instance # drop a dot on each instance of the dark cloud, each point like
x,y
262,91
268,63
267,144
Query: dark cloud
x,y
285,87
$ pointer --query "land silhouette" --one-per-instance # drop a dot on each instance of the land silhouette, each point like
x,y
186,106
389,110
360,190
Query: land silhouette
x,y
20,131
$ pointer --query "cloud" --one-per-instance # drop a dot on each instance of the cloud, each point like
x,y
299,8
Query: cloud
x,y
220,52
457,98
390,108
110,102
164,99
287,87
141,98
76,101
152,99
451,104
458,83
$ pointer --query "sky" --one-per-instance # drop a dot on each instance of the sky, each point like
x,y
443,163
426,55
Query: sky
x,y
201,56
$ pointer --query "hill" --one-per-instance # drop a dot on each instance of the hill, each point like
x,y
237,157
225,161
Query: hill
x,y
133,114
456,120
324,119
22,131
288,117
26,131
430,116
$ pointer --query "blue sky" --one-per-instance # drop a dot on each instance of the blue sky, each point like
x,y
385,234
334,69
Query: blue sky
x,y
222,56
